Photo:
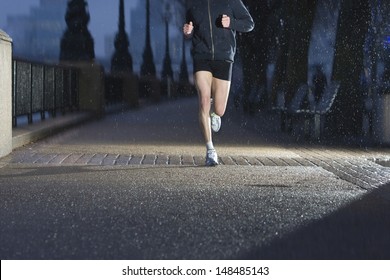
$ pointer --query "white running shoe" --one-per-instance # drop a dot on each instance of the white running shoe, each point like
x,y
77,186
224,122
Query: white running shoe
x,y
215,122
211,158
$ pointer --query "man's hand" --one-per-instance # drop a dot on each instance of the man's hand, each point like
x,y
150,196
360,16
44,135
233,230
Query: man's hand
x,y
225,21
188,28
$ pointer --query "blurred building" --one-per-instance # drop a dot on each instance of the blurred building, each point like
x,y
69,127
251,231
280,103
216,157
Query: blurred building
x,y
37,36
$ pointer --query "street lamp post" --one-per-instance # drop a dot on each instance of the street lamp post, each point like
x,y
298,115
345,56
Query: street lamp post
x,y
167,72
121,60
183,77
148,68
77,43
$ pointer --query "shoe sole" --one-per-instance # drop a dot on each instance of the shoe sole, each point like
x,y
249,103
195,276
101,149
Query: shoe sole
x,y
211,164
216,129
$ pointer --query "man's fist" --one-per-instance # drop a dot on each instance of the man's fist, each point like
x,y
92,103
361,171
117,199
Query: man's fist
x,y
225,21
188,28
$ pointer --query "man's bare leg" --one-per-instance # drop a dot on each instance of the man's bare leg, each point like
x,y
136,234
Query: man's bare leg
x,y
220,92
203,82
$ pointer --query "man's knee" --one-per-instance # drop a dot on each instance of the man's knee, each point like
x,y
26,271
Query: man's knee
x,y
204,102
219,110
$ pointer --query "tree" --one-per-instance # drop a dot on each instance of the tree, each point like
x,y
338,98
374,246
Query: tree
x,y
346,116
253,49
291,70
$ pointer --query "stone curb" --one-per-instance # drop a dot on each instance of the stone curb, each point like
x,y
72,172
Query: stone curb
x,y
361,172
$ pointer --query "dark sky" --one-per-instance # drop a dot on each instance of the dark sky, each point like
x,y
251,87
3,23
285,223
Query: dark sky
x,y
104,17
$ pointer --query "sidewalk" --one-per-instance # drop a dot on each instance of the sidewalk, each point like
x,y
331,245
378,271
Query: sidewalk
x,y
168,134
26,134
133,185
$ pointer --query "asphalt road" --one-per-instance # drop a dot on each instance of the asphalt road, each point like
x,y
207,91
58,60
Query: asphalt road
x,y
188,213
81,211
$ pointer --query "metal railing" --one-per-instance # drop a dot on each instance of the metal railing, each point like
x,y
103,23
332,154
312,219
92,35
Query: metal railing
x,y
39,88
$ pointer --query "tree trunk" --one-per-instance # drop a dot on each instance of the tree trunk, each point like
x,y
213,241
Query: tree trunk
x,y
253,51
281,58
301,17
347,112
291,68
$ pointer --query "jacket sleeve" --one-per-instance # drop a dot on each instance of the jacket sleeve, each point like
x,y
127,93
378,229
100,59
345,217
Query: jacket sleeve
x,y
189,16
242,21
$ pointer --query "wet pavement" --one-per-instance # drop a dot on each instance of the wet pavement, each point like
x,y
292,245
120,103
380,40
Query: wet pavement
x,y
133,186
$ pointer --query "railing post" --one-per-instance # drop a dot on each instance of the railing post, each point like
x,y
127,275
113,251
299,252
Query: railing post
x,y
5,94
91,87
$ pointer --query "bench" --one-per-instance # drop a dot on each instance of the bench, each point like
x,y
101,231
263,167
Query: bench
x,y
298,105
323,107
304,105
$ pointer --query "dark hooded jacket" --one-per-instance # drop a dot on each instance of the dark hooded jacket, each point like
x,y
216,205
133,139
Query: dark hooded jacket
x,y
210,40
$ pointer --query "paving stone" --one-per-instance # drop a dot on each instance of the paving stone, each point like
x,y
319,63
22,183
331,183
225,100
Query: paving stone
x,y
32,158
45,159
266,161
376,169
110,159
84,159
253,161
199,160
162,160
58,159
149,160
97,159
18,157
304,162
187,160
355,172
240,160
136,159
227,160
175,160
291,162
72,158
122,160
279,162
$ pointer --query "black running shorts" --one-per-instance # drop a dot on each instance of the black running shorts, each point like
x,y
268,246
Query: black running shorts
x,y
220,69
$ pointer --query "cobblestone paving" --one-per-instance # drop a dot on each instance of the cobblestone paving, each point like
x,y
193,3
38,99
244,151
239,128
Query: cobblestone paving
x,y
355,165
358,168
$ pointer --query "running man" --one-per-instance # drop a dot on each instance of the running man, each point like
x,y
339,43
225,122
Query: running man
x,y
212,25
